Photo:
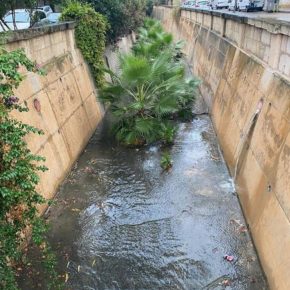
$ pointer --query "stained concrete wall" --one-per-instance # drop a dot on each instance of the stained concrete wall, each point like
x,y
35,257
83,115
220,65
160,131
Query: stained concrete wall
x,y
244,66
63,103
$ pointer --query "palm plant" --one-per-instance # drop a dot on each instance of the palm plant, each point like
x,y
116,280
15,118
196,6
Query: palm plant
x,y
150,90
152,40
146,93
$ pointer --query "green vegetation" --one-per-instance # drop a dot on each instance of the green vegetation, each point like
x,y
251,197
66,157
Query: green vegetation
x,y
166,162
153,40
151,90
18,177
149,7
124,16
90,35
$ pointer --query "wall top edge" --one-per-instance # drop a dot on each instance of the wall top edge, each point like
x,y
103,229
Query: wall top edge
x,y
273,25
25,34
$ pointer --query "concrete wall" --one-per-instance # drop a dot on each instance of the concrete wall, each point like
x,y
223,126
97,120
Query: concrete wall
x,y
63,103
244,66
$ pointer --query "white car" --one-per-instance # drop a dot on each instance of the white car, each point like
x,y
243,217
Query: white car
x,y
46,9
203,4
233,5
188,4
52,18
250,5
220,4
22,19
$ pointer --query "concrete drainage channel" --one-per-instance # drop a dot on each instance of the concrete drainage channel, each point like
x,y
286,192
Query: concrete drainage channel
x,y
97,230
120,223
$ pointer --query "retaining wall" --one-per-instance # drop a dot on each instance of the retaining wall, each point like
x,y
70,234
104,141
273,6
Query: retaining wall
x,y
244,65
63,103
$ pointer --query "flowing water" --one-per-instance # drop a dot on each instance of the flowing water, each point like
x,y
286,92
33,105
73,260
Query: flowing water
x,y
119,222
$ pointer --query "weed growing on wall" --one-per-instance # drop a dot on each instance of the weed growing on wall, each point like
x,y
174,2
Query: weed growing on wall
x,y
18,177
90,34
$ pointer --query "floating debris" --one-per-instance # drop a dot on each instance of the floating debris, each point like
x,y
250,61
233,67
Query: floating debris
x,y
229,258
241,227
226,282
66,278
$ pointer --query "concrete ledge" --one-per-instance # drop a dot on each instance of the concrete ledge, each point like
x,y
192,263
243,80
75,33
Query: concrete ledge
x,y
272,25
25,34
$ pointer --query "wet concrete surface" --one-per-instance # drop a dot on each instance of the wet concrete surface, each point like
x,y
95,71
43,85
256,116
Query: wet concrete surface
x,y
119,222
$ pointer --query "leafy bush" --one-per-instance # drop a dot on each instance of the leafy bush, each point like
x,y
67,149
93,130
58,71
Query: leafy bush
x,y
90,35
18,176
150,91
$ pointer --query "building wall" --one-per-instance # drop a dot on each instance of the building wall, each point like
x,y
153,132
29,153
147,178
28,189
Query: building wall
x,y
244,66
63,103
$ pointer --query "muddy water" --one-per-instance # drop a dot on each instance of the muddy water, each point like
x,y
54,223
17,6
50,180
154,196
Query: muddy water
x,y
121,223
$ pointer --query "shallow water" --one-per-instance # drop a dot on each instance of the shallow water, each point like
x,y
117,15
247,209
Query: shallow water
x,y
121,223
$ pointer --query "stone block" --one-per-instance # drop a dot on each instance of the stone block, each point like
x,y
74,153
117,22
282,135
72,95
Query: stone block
x,y
288,45
281,178
272,238
59,162
284,43
266,37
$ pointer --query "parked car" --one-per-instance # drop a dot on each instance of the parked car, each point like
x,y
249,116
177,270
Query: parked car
x,y
203,4
250,5
233,5
22,18
46,9
188,4
52,18
219,4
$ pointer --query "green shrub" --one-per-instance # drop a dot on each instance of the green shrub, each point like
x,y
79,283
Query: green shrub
x,y
90,35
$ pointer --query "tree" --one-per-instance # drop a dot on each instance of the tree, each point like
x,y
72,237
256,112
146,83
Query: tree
x,y
124,16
